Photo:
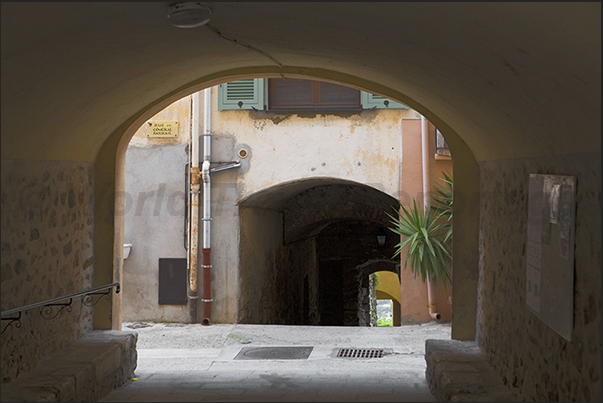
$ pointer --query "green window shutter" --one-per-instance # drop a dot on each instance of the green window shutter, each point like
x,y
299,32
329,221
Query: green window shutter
x,y
370,101
242,94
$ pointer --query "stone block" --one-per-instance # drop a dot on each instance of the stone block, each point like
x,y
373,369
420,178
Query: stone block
x,y
458,371
85,371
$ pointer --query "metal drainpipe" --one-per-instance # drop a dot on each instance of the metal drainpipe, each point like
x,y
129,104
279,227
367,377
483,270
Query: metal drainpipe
x,y
425,162
205,174
194,211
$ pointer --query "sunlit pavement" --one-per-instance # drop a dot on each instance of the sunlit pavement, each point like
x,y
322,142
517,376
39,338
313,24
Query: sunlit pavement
x,y
185,363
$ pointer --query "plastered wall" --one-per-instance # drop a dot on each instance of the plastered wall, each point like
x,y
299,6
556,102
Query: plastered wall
x,y
282,148
154,214
47,253
414,301
363,147
532,357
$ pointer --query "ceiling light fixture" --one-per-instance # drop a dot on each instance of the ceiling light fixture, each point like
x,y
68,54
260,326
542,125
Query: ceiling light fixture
x,y
189,15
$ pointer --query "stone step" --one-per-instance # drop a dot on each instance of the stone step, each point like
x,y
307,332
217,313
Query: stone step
x,y
85,371
457,371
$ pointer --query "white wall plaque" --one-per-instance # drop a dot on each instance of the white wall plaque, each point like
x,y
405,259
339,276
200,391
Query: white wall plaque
x,y
550,251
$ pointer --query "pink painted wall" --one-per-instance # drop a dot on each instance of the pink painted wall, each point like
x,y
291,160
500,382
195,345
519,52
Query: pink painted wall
x,y
414,303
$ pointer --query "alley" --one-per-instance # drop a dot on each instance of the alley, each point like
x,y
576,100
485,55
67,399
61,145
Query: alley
x,y
191,362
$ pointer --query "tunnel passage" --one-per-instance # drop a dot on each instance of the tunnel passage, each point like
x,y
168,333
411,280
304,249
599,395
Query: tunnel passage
x,y
302,247
348,252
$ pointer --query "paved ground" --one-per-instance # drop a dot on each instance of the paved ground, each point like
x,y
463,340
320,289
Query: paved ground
x,y
186,363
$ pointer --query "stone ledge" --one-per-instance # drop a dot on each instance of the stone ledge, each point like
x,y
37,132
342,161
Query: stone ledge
x,y
457,371
85,371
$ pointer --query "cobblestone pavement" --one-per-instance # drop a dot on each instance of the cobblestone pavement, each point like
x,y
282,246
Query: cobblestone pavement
x,y
191,362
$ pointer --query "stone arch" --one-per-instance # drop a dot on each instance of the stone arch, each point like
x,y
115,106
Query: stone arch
x,y
110,163
294,226
465,168
309,205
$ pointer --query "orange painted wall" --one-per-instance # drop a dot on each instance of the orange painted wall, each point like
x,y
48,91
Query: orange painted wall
x,y
414,303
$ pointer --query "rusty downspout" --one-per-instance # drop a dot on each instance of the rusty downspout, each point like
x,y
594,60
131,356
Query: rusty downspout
x,y
433,313
194,249
194,212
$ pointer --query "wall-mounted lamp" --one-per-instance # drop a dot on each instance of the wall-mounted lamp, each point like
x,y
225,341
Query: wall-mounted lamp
x,y
188,15
381,237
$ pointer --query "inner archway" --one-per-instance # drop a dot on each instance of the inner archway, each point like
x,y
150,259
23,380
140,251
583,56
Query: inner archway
x,y
300,245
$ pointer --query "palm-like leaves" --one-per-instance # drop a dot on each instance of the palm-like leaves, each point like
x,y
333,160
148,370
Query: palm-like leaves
x,y
427,235
443,201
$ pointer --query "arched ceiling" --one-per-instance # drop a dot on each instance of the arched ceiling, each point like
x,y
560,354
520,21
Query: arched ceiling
x,y
510,80
278,196
309,205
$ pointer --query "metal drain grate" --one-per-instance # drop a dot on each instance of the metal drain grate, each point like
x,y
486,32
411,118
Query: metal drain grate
x,y
360,353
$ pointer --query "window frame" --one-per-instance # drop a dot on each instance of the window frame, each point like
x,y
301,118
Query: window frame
x,y
315,105
254,94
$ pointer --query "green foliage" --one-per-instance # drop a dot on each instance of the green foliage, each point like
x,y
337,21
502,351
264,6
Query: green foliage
x,y
375,277
443,199
427,235
373,282
239,338
384,322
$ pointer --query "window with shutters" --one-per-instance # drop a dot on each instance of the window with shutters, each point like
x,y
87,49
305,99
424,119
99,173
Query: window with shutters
x,y
370,101
295,95
299,95
242,94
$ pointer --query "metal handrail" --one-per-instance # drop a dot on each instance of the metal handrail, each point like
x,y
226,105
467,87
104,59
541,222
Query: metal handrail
x,y
48,307
52,301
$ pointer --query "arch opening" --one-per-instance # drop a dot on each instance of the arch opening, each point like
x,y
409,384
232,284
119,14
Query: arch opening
x,y
303,247
293,234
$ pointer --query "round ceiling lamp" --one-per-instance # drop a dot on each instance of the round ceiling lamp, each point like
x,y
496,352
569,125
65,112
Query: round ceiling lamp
x,y
189,15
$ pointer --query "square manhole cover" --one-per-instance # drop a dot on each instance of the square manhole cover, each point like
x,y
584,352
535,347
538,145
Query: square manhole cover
x,y
274,353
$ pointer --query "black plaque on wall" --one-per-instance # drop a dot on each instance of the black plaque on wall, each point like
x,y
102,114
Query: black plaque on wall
x,y
172,281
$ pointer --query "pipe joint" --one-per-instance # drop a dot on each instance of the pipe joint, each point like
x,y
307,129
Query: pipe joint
x,y
205,169
195,176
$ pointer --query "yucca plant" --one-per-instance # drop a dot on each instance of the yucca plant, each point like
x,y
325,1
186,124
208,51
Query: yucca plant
x,y
443,201
427,235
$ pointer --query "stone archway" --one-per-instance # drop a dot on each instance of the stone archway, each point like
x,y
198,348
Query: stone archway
x,y
299,241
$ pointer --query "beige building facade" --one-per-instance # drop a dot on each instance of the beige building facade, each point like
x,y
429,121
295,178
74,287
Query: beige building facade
x,y
294,207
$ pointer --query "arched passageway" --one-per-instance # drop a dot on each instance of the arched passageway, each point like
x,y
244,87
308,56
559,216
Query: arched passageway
x,y
302,245
514,87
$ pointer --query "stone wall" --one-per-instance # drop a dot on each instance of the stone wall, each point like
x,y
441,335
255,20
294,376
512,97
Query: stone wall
x,y
532,358
47,252
273,275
